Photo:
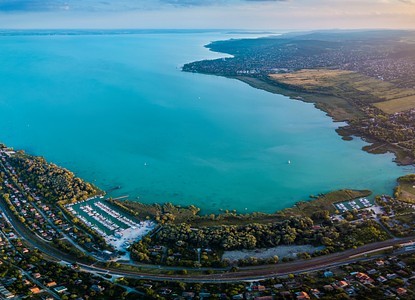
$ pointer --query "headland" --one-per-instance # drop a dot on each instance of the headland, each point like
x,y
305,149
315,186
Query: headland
x,y
364,78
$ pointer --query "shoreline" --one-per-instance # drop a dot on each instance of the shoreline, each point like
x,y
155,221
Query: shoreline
x,y
162,212
338,114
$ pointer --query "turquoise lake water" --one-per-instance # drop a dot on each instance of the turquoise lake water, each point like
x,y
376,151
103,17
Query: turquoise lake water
x,y
118,111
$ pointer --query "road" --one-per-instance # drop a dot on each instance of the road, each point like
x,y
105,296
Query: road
x,y
23,272
265,271
244,273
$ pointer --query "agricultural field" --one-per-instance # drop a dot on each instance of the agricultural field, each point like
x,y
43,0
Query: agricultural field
x,y
350,85
405,190
397,105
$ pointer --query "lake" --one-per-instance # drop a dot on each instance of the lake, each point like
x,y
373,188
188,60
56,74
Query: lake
x,y
117,110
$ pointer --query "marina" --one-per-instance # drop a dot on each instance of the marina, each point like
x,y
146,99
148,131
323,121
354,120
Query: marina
x,y
118,229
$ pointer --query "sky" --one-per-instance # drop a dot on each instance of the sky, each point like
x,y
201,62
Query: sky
x,y
207,14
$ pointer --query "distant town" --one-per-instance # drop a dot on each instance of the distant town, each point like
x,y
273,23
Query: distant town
x,y
365,78
385,55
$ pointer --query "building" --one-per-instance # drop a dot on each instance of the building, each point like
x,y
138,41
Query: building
x,y
4,293
60,289
35,290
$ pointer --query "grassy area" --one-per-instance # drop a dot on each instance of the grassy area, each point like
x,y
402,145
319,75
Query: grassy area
x,y
407,218
175,214
350,85
169,213
407,194
325,202
159,212
340,82
397,105
405,191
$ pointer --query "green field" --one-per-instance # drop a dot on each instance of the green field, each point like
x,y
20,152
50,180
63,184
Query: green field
x,y
405,191
350,86
397,105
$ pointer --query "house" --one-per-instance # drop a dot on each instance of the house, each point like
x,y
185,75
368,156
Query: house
x,y
165,291
364,278
285,294
401,291
60,289
26,282
315,292
391,276
342,284
9,281
382,279
350,291
51,284
188,295
328,288
35,290
37,275
302,296
259,288
5,293
403,273
204,295
238,297
328,274
380,263
97,288
264,298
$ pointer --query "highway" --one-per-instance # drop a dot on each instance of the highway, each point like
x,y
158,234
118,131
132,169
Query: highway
x,y
244,273
263,271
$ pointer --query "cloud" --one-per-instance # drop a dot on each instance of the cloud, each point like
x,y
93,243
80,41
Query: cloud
x,y
249,14
213,2
29,5
119,5
193,2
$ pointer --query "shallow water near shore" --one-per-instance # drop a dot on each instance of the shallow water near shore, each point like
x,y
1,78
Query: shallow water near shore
x,y
118,111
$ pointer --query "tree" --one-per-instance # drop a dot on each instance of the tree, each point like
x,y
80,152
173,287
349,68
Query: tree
x,y
182,272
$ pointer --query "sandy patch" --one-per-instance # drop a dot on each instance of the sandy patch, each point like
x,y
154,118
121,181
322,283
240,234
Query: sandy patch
x,y
280,251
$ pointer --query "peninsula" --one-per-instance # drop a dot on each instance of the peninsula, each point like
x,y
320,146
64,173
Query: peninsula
x,y
365,78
